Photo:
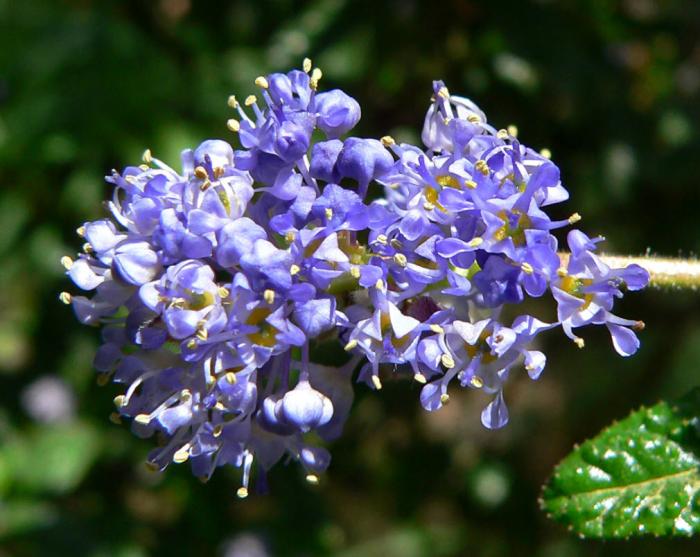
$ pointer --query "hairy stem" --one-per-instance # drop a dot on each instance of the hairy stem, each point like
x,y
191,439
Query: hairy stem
x,y
665,272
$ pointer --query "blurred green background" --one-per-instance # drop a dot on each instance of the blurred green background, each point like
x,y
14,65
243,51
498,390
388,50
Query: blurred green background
x,y
611,87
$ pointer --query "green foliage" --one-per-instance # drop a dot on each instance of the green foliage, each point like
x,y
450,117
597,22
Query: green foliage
x,y
640,476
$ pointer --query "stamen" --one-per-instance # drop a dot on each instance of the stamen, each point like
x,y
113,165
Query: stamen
x,y
119,401
261,82
351,345
355,272
294,270
242,492
502,134
201,173
527,268
471,184
182,455
147,157
400,259
477,382
230,377
437,328
475,242
379,285
444,398
312,479
447,360
546,153
143,419
444,92
474,119
269,296
224,292
512,130
233,125
306,65
482,166
80,231
65,297
639,326
329,213
87,247
232,101
562,272
382,239
387,141
578,341
376,382
67,262
316,76
573,219
420,378
250,100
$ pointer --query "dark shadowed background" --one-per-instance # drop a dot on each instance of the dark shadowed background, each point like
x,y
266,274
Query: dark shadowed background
x,y
611,87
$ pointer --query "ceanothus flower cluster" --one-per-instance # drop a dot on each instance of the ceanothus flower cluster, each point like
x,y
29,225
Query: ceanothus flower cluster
x,y
214,284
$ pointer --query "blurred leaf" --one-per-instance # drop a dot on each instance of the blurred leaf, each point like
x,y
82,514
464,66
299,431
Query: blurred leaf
x,y
18,517
638,477
52,458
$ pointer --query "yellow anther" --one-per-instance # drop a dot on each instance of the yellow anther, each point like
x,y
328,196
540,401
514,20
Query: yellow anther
x,y
233,125
67,262
502,134
192,344
447,360
382,239
546,153
87,247
512,130
376,382
471,184
428,206
396,243
316,76
562,272
144,167
250,100
219,406
387,141
202,334
527,268
290,236
119,401
230,377
477,382
242,492
143,419
130,179
269,296
312,479
185,395
444,398
115,418
306,65
261,82
65,297
639,326
437,328
201,173
400,259
350,345
217,430
80,231
294,269
475,242
355,272
182,455
329,213
578,341
482,166
218,172
473,118
232,101
147,157
379,285
444,92
223,292
420,378
573,219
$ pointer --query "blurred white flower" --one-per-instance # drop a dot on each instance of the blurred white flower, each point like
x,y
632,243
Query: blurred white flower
x,y
49,400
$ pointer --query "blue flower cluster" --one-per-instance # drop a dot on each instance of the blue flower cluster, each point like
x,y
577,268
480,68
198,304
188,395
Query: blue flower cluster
x,y
213,284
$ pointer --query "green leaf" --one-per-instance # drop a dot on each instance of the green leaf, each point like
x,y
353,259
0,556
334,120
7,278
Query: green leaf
x,y
640,476
51,459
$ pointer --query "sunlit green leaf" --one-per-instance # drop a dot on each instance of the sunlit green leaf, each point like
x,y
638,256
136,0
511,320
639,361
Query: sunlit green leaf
x,y
639,476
